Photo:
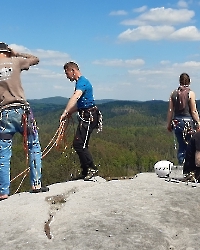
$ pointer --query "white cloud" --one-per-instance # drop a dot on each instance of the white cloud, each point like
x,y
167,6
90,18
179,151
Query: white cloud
x,y
134,22
141,9
19,48
51,57
126,84
60,87
153,33
47,57
190,33
120,62
156,86
164,62
182,4
190,64
146,72
118,13
168,15
51,53
162,16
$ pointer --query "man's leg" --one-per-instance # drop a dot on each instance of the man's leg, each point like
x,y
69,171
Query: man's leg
x,y
80,145
5,156
84,155
35,163
181,145
8,120
189,164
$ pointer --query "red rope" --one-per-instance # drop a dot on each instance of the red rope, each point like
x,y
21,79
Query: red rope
x,y
25,136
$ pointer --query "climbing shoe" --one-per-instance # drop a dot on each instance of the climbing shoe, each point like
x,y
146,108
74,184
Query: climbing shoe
x,y
91,173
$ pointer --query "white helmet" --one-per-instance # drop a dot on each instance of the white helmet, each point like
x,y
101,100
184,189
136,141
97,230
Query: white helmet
x,y
163,168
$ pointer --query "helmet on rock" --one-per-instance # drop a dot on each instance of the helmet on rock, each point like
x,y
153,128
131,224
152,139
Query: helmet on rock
x,y
163,168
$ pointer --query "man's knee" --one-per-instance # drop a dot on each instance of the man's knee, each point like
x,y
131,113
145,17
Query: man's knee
x,y
77,144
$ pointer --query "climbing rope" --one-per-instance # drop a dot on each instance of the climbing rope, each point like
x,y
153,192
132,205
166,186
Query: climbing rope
x,y
58,138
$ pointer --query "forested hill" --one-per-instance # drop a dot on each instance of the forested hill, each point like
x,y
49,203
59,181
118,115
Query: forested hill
x,y
111,109
59,100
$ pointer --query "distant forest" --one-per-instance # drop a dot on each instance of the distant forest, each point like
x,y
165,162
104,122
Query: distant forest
x,y
133,139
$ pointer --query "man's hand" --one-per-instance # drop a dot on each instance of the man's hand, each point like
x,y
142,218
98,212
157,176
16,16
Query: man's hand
x,y
169,127
12,52
64,116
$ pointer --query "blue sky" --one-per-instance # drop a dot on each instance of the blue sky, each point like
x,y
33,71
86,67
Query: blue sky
x,y
128,49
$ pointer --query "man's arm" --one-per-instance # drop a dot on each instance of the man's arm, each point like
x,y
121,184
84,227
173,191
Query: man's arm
x,y
193,108
197,158
33,60
170,115
71,105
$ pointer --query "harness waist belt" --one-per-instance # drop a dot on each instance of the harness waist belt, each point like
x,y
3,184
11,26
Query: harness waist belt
x,y
187,119
14,106
183,119
89,109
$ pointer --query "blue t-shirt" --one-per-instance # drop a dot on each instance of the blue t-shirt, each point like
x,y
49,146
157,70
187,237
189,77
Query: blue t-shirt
x,y
87,98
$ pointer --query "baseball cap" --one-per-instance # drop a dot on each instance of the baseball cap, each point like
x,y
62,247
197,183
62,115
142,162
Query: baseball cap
x,y
4,47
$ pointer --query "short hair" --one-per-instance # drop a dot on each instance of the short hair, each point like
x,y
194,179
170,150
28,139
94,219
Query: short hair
x,y
184,79
71,65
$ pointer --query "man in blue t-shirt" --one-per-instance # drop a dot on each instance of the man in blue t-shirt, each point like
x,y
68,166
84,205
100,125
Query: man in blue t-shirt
x,y
88,115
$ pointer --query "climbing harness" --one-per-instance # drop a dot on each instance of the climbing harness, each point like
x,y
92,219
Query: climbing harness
x,y
189,129
86,117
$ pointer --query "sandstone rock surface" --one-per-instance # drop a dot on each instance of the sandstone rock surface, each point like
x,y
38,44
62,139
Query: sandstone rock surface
x,y
145,212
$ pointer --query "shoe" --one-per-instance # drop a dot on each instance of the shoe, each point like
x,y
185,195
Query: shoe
x,y
91,173
190,177
3,198
197,175
40,190
78,177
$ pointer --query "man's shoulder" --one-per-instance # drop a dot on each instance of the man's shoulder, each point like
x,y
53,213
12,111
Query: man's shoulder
x,y
83,78
83,81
